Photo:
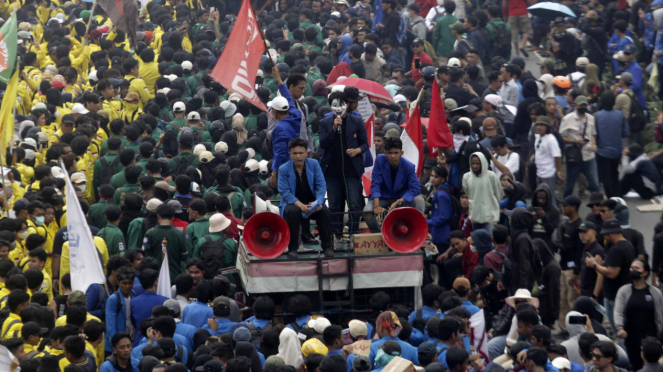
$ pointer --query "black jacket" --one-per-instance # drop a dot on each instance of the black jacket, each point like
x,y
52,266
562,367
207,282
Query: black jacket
x,y
596,42
458,94
523,122
549,285
521,251
544,227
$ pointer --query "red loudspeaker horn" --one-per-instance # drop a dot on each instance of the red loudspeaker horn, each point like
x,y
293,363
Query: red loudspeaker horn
x,y
266,235
404,230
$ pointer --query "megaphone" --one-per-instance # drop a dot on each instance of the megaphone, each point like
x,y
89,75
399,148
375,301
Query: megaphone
x,y
404,230
266,235
260,205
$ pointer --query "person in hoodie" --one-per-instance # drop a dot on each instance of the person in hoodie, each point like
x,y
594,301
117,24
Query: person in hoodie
x,y
482,243
484,191
523,121
549,285
521,253
546,81
514,196
344,50
546,215
640,173
572,344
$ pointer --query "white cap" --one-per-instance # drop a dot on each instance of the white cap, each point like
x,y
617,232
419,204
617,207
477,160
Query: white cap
x,y
260,73
187,66
199,149
179,107
494,100
29,154
79,109
193,115
263,167
252,165
561,363
163,90
195,187
337,88
78,177
453,62
57,172
582,61
221,146
400,98
39,105
92,75
280,104
30,142
251,152
321,324
235,97
218,223
152,204
171,77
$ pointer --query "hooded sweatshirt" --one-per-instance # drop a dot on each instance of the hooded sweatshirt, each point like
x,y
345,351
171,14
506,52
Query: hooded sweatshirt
x,y
549,284
571,345
344,50
523,122
482,243
484,192
548,90
522,250
544,227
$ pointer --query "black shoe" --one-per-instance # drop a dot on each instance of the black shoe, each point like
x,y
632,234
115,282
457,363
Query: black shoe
x,y
310,240
524,52
329,252
293,255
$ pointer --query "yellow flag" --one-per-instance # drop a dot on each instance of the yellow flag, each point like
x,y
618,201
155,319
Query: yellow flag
x,y
7,116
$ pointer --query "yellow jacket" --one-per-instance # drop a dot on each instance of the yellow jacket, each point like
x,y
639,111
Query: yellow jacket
x,y
11,327
150,73
138,85
27,173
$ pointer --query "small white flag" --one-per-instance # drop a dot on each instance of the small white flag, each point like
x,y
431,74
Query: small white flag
x,y
163,286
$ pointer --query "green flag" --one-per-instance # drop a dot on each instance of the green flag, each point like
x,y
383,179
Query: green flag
x,y
8,43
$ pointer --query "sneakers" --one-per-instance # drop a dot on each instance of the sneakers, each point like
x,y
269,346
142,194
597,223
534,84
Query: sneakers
x,y
328,252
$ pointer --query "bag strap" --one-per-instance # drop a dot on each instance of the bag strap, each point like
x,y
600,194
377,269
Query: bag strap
x,y
419,315
15,321
500,253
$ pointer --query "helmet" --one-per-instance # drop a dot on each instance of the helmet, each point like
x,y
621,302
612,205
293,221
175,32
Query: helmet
x,y
562,82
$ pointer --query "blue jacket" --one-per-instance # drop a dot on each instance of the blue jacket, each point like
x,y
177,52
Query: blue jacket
x,y
107,366
355,133
426,313
116,321
610,129
96,299
408,351
224,325
137,352
196,314
288,182
649,30
186,331
344,50
637,85
406,185
441,213
285,130
141,309
620,45
301,322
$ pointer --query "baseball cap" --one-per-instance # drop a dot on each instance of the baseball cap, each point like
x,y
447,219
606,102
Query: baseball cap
x,y
242,334
561,363
453,62
581,100
179,107
206,157
351,94
461,283
76,298
587,225
32,329
582,61
95,34
221,146
187,66
21,204
494,100
195,189
627,77
320,324
562,82
358,328
68,118
362,363
426,348
177,206
548,63
57,84
193,116
458,27
154,203
630,49
57,172
79,109
221,301
210,366
572,200
252,165
518,61
166,344
173,306
280,104
78,177
132,97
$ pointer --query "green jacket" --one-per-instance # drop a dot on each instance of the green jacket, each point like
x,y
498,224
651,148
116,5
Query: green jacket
x,y
237,201
318,38
177,124
195,231
142,163
134,146
443,38
251,122
183,157
114,239
269,82
135,234
126,189
118,180
96,177
97,213
156,133
229,254
104,146
176,247
491,26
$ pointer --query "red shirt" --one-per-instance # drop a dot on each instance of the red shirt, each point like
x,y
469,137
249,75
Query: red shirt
x,y
233,230
416,75
514,8
470,260
179,224
425,6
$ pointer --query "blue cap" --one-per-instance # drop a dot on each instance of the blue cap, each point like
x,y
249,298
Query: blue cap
x,y
630,49
242,334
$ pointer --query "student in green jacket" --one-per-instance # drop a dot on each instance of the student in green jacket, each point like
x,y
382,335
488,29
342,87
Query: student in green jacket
x,y
117,129
112,234
223,187
443,38
198,224
132,174
175,243
218,226
114,144
185,158
127,158
145,151
97,213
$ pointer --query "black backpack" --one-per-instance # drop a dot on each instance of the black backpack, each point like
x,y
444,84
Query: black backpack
x,y
419,322
108,170
256,334
155,247
212,253
636,119
183,164
502,42
506,264
170,145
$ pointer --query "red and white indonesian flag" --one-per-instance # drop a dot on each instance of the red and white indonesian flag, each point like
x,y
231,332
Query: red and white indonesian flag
x,y
413,137
367,115
240,60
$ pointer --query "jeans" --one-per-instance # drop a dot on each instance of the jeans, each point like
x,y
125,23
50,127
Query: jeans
x,y
634,182
293,216
609,175
369,216
588,168
609,309
339,191
496,346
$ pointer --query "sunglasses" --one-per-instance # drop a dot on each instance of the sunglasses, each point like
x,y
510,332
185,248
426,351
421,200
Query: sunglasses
x,y
596,356
604,211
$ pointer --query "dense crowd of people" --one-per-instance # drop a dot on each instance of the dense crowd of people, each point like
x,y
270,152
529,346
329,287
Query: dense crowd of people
x,y
162,156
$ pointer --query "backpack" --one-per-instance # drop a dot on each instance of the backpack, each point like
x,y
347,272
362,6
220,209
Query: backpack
x,y
183,164
170,145
457,210
212,253
506,264
437,15
401,34
419,323
256,334
502,41
108,170
576,83
467,149
123,195
637,119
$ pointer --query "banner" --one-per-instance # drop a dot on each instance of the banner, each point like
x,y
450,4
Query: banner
x,y
124,14
7,117
163,285
8,44
439,134
84,264
413,138
240,61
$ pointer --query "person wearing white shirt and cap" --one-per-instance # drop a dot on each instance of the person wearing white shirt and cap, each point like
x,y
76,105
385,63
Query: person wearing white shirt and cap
x,y
577,78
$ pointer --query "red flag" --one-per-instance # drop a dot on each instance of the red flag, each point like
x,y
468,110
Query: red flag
x,y
413,140
367,177
439,134
240,60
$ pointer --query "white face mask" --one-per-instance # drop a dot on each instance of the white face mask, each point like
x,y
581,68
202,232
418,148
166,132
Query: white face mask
x,y
82,187
338,107
23,235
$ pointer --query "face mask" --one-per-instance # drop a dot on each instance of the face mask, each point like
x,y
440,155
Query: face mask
x,y
635,274
338,107
82,187
40,220
23,235
473,248
131,106
582,110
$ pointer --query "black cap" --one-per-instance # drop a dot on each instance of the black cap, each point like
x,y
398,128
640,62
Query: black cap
x,y
32,329
430,163
611,226
211,366
595,198
427,348
69,118
351,94
587,225
572,200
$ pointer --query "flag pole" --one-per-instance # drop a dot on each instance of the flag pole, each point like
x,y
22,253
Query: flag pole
x,y
89,21
261,33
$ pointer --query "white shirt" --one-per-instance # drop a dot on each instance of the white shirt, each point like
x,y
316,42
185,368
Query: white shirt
x,y
510,160
510,93
546,149
572,127
438,12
